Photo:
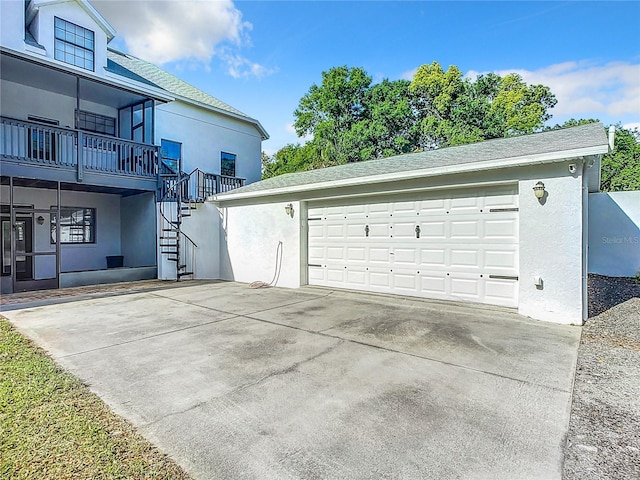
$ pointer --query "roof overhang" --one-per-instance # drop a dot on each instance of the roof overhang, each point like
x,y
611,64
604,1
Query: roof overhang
x,y
35,5
513,162
110,80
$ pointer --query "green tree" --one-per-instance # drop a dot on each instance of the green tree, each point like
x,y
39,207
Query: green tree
x,y
350,119
292,158
621,168
330,111
455,110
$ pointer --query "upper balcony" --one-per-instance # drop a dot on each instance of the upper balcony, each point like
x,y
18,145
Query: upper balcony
x,y
35,150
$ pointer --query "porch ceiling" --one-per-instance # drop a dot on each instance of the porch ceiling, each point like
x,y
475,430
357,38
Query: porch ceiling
x,y
43,77
76,187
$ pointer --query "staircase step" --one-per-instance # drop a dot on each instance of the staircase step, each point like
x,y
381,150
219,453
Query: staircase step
x,y
169,230
182,274
164,237
180,267
171,259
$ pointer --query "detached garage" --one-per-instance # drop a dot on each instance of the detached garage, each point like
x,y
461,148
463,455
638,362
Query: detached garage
x,y
460,245
501,222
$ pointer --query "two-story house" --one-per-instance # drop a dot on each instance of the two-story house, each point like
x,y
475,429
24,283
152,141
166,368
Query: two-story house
x,y
102,153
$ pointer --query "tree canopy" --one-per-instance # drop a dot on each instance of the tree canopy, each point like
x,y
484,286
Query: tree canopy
x,y
350,119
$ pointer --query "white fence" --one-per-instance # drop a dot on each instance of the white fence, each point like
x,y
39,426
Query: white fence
x,y
614,233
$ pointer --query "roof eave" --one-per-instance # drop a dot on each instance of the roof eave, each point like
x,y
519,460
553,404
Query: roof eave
x,y
427,172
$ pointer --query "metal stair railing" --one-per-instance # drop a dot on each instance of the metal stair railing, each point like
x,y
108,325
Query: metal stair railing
x,y
174,187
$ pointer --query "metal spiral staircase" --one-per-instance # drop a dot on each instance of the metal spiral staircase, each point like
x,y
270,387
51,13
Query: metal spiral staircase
x,y
175,205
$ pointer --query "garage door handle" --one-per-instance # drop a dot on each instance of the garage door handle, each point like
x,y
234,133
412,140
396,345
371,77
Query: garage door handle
x,y
417,231
366,230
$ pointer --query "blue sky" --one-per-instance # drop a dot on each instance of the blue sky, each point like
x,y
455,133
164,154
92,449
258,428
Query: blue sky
x,y
262,56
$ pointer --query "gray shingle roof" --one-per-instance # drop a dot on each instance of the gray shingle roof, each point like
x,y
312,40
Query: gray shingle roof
x,y
585,136
136,69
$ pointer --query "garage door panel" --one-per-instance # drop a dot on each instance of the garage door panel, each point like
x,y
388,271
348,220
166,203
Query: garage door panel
x,y
316,275
501,201
356,278
432,207
466,259
431,257
433,230
435,285
464,229
356,230
356,211
401,230
464,205
356,254
502,229
335,253
406,256
380,278
501,292
335,231
405,282
501,259
461,244
465,287
379,255
335,275
378,230
316,254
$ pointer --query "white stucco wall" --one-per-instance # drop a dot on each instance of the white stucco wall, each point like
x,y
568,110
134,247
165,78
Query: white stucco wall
x,y
249,238
551,242
205,134
12,24
138,228
203,226
614,233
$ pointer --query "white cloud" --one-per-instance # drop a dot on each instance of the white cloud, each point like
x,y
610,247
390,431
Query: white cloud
x,y
289,128
241,67
163,31
588,89
409,74
632,125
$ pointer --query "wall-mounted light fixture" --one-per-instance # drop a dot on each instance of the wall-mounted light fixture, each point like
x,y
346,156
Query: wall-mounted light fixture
x,y
40,220
538,190
289,209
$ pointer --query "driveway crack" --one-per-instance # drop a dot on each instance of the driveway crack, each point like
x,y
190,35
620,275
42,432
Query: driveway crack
x,y
240,388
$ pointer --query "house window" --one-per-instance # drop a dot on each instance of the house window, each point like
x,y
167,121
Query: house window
x,y
228,164
94,122
171,155
77,225
74,44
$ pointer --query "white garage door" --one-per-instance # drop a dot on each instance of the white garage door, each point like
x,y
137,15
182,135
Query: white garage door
x,y
456,247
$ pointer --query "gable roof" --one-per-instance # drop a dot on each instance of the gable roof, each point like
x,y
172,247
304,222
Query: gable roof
x,y
137,69
34,6
550,146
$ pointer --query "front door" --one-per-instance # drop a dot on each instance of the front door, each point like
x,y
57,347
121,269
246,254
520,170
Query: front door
x,y
34,262
24,245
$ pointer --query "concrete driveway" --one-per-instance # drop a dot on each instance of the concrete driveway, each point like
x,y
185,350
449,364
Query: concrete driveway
x,y
276,383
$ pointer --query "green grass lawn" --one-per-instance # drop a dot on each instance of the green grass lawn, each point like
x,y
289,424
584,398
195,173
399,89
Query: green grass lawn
x,y
53,427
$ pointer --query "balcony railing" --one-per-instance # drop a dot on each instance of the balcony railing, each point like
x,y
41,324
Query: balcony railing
x,y
44,145
198,186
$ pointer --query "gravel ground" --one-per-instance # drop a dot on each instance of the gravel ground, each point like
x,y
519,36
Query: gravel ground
x,y
604,431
